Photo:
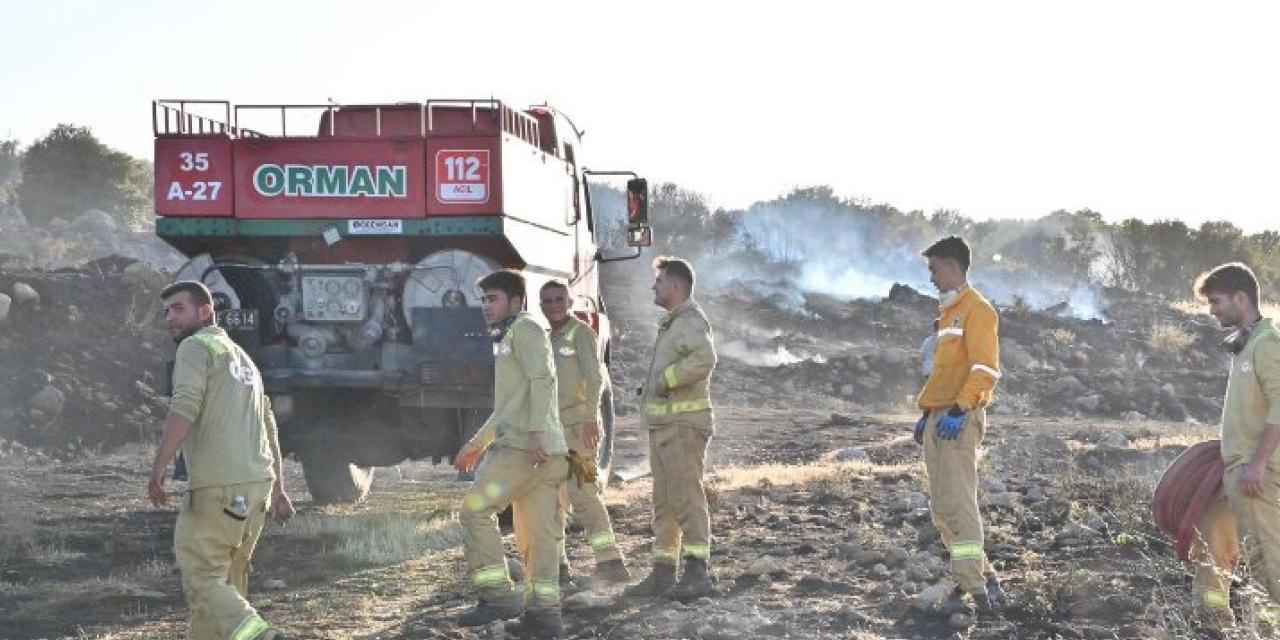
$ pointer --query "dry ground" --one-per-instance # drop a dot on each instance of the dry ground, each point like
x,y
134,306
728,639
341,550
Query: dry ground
x,y
810,543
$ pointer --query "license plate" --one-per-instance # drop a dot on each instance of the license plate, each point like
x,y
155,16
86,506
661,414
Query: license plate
x,y
238,319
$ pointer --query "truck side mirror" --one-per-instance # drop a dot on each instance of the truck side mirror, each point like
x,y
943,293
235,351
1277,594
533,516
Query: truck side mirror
x,y
639,234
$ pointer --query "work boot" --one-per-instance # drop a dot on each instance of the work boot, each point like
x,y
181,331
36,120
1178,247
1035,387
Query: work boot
x,y
660,580
995,593
611,572
568,583
955,603
493,610
537,623
695,583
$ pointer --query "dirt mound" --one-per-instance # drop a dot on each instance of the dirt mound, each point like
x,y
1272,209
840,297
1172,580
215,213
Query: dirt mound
x,y
81,359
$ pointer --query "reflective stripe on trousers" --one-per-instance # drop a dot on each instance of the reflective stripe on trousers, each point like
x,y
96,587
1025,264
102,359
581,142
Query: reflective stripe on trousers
x,y
668,408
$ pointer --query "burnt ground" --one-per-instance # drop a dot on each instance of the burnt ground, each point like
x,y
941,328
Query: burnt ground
x,y
820,509
822,531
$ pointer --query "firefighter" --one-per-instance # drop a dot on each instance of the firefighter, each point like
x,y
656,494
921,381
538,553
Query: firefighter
x,y
1250,423
580,379
525,465
223,423
966,366
676,405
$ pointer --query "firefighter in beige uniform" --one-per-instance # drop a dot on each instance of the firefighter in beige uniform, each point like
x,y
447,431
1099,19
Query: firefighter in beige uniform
x,y
223,423
1250,448
960,386
676,405
580,379
526,464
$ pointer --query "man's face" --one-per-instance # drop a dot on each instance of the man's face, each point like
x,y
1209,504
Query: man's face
x,y
183,316
555,304
498,307
1228,308
666,289
944,273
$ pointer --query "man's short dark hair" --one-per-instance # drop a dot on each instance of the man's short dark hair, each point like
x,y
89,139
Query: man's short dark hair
x,y
199,293
553,284
952,248
678,267
508,281
1229,278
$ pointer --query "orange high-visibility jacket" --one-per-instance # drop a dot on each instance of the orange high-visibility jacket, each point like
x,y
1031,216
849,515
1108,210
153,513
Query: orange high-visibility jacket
x,y
966,361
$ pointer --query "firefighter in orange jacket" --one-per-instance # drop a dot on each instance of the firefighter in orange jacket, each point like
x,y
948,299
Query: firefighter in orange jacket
x,y
965,370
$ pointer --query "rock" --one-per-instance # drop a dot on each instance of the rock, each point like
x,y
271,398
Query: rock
x,y
847,391
851,454
49,401
5,303
915,500
1134,416
896,557
881,571
1114,439
960,621
24,294
868,557
931,598
1006,500
920,573
764,566
274,585
994,486
1033,495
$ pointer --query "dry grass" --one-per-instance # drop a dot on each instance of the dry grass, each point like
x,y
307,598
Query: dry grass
x,y
378,539
1169,338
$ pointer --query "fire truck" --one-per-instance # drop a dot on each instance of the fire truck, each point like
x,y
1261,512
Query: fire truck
x,y
343,255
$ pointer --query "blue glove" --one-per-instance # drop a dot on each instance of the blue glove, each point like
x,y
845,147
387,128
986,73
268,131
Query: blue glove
x,y
950,425
920,427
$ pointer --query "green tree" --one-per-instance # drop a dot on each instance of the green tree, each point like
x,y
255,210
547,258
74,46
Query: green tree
x,y
69,171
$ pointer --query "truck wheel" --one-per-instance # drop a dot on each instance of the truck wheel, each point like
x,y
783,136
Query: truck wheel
x,y
604,456
331,478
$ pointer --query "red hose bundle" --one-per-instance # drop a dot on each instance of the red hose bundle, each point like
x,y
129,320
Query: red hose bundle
x,y
1188,488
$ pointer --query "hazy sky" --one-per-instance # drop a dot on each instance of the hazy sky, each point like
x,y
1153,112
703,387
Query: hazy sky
x,y
1006,109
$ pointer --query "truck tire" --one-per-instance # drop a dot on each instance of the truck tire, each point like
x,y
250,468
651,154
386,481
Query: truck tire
x,y
332,479
604,456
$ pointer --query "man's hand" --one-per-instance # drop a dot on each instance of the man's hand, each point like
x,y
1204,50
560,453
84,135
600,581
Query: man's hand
x,y
281,507
950,426
1252,479
155,488
537,454
592,434
468,458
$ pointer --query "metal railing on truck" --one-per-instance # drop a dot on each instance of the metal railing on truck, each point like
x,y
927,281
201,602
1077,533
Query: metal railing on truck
x,y
173,117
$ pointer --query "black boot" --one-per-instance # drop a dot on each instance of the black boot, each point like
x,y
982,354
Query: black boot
x,y
493,610
995,593
568,584
538,623
695,583
661,579
611,572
